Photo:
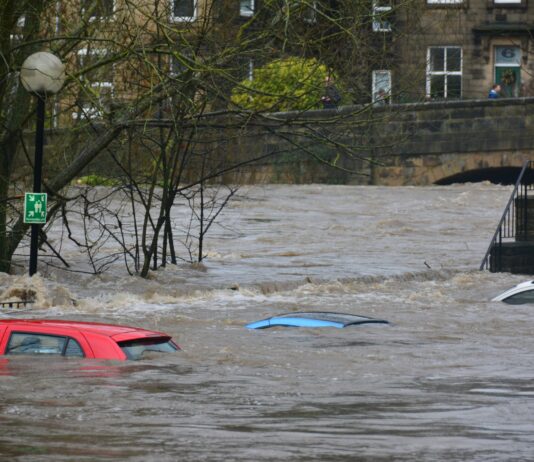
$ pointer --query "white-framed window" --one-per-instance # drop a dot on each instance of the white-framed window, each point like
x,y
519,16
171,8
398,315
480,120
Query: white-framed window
x,y
444,2
184,10
444,72
97,92
246,7
381,87
381,13
98,9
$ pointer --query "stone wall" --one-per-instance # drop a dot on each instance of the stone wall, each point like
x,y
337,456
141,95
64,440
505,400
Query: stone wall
x,y
445,139
409,144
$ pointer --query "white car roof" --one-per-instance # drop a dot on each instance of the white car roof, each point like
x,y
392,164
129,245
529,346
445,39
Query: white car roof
x,y
522,287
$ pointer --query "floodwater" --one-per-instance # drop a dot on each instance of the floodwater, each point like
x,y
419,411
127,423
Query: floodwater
x,y
450,379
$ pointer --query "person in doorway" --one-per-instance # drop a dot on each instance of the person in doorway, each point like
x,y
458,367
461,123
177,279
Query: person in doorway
x,y
495,91
331,97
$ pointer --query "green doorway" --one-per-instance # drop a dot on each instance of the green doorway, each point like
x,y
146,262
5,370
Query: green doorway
x,y
509,78
508,70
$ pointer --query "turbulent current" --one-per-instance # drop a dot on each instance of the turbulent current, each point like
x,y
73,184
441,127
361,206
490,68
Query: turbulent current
x,y
450,379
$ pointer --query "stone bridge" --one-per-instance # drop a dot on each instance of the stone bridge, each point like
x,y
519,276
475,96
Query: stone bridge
x,y
408,144
414,144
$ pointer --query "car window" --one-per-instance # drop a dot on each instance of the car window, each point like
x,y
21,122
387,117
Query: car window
x,y
28,343
520,298
73,349
134,349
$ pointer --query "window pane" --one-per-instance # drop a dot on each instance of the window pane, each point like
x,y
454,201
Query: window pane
x,y
381,86
25,343
508,56
454,86
437,86
96,102
454,59
135,349
520,298
74,349
437,59
382,80
381,25
90,59
184,8
246,7
381,16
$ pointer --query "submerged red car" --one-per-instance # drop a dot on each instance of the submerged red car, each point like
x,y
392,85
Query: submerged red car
x,y
80,339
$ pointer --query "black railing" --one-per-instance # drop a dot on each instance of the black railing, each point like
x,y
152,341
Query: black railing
x,y
514,220
15,304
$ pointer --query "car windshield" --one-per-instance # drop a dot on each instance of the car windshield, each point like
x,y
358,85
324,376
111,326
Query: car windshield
x,y
520,298
134,349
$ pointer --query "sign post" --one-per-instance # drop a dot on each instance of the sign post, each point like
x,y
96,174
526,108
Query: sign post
x,y
35,208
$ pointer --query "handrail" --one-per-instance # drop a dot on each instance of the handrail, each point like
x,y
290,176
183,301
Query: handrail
x,y
15,303
507,226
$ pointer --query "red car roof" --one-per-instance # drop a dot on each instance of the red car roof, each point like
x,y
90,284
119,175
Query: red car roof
x,y
118,333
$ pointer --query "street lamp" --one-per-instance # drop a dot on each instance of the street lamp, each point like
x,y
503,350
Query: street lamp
x,y
41,74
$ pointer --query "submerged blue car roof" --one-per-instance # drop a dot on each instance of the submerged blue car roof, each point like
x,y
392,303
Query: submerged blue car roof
x,y
314,319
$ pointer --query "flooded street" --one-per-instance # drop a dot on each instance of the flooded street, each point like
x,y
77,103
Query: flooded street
x,y
450,379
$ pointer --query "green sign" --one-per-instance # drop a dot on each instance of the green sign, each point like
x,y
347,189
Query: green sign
x,y
35,208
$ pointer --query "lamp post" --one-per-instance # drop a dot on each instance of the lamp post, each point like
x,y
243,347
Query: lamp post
x,y
41,74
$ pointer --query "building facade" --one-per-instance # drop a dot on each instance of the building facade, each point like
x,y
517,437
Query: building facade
x,y
457,49
407,51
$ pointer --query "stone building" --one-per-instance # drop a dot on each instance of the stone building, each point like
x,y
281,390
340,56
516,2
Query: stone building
x,y
407,51
456,49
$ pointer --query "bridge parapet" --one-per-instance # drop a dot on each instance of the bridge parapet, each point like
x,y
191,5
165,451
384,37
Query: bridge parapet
x,y
412,144
450,138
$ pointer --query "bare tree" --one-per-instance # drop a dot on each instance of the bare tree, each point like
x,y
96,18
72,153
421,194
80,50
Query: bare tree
x,y
147,103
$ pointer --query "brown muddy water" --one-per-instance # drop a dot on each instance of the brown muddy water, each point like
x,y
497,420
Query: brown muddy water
x,y
450,379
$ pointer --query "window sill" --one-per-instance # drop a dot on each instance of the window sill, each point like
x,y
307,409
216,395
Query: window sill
x,y
183,18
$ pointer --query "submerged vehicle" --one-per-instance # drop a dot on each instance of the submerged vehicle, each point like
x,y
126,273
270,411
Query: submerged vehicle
x,y
517,295
314,319
80,339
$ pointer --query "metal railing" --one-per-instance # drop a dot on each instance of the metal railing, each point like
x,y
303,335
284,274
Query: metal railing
x,y
15,303
514,220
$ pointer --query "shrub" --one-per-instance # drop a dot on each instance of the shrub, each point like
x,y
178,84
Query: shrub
x,y
283,85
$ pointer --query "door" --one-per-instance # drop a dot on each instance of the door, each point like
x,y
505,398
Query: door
x,y
508,70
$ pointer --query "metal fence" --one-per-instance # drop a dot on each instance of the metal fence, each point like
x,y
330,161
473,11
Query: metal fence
x,y
514,223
